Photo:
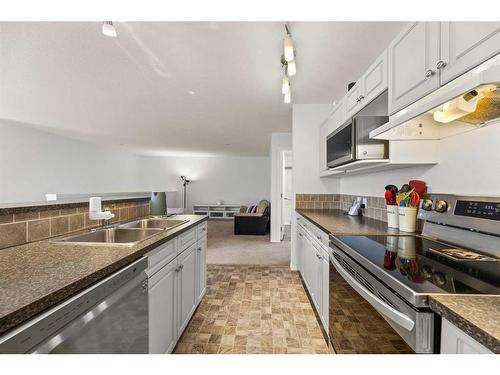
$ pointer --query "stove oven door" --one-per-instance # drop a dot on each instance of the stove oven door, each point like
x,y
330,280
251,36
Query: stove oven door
x,y
364,317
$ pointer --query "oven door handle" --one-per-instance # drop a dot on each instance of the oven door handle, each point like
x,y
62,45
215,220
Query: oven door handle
x,y
377,303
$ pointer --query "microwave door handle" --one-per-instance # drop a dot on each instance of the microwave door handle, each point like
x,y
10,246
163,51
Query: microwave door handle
x,y
377,303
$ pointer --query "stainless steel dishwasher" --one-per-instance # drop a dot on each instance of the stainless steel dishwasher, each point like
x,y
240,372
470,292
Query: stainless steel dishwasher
x,y
110,316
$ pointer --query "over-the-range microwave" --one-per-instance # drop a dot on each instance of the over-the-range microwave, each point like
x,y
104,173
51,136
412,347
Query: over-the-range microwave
x,y
351,141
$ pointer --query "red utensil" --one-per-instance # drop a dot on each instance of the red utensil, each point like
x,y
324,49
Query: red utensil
x,y
419,186
388,197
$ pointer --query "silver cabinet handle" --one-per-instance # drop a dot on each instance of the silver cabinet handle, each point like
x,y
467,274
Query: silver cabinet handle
x,y
319,256
441,64
203,229
178,269
199,249
181,266
318,237
429,73
361,97
378,304
300,234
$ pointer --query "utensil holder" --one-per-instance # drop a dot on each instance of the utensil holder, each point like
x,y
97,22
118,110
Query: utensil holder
x,y
392,217
407,219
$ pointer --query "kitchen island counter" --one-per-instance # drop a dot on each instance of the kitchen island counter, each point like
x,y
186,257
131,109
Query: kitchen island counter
x,y
38,275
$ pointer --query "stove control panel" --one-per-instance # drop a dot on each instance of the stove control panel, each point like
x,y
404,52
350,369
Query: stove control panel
x,y
479,214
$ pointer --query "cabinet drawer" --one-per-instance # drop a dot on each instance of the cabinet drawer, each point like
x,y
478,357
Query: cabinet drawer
x,y
186,239
160,272
160,256
201,230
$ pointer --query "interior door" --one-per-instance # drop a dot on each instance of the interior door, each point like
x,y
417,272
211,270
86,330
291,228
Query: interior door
x,y
287,196
187,288
413,56
162,310
467,44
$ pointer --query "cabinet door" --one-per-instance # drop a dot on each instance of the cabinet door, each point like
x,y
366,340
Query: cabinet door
x,y
352,99
312,277
162,310
467,44
201,269
456,341
374,81
413,56
318,275
325,285
299,250
187,286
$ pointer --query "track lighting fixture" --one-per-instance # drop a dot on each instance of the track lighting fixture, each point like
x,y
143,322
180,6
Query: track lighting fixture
x,y
291,69
108,29
285,88
288,51
287,97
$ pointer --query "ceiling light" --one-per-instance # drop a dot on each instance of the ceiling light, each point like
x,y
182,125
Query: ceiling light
x,y
285,87
288,97
108,29
291,69
288,45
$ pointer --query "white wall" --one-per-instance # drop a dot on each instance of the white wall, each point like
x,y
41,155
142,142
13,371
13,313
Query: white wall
x,y
34,162
279,142
469,164
238,180
305,141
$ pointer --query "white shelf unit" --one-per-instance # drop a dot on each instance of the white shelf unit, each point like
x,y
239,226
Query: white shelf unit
x,y
217,211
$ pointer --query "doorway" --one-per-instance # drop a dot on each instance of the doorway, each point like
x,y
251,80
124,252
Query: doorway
x,y
286,195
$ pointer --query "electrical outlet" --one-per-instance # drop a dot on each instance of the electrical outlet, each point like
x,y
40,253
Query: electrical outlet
x,y
365,202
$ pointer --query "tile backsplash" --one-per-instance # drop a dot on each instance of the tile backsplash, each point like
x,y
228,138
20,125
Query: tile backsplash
x,y
375,205
29,224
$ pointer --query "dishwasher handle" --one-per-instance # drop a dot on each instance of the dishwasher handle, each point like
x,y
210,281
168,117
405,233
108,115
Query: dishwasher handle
x,y
382,307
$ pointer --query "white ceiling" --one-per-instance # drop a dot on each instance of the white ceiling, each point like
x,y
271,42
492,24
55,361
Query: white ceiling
x,y
179,88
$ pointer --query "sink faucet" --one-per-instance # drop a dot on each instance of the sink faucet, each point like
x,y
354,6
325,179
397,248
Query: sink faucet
x,y
96,213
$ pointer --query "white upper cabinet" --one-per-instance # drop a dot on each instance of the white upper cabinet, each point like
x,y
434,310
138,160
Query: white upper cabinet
x,y
374,81
465,45
353,99
413,56
369,86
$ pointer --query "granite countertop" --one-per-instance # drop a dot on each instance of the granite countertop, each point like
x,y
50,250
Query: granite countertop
x,y
476,315
38,275
336,222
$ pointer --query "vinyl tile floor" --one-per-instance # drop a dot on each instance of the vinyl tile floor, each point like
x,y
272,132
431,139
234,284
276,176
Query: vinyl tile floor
x,y
252,309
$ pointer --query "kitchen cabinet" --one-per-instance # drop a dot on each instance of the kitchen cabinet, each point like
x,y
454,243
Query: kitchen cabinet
x,y
201,266
162,310
188,299
456,341
176,286
371,84
313,264
413,56
465,45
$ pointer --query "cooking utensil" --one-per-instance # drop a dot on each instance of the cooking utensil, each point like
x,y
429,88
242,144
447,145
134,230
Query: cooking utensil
x,y
405,188
419,186
388,197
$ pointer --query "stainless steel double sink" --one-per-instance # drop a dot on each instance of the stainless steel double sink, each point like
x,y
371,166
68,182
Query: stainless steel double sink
x,y
124,234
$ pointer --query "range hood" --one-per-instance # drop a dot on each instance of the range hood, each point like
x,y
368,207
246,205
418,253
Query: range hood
x,y
466,103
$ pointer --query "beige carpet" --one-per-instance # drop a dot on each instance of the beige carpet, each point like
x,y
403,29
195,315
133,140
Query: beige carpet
x,y
226,248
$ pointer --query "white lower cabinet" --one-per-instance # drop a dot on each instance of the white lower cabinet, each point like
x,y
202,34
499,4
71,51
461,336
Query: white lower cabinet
x,y
313,264
201,265
188,300
162,310
456,341
175,288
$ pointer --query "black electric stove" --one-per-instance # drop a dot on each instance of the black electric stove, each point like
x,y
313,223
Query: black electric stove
x,y
427,266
